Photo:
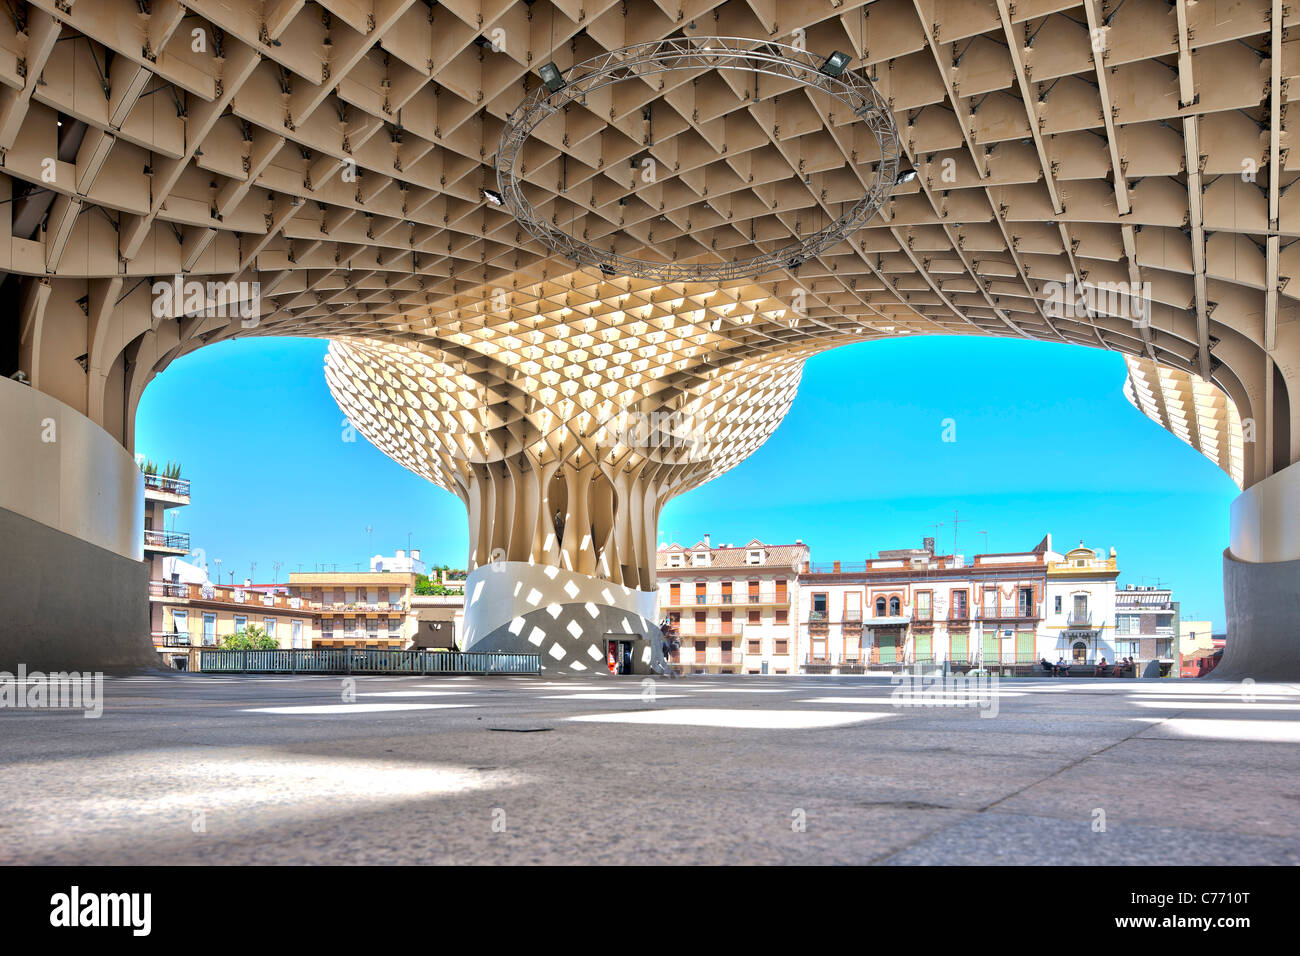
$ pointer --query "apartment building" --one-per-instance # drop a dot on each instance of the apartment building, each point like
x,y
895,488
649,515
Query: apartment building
x,y
359,609
734,607
400,562
1079,623
189,615
1147,625
162,494
911,605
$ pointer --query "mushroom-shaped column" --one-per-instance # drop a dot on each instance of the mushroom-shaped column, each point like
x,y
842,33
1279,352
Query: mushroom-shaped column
x,y
563,477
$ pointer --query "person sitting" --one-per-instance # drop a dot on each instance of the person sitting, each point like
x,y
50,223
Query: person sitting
x,y
1062,668
1047,667
1101,668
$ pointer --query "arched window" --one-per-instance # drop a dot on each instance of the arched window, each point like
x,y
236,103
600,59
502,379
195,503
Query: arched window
x,y
1080,652
895,608
880,607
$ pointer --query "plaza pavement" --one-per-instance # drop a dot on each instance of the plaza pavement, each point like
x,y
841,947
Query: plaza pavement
x,y
193,769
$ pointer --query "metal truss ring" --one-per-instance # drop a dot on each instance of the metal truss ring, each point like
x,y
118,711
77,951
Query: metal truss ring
x,y
754,57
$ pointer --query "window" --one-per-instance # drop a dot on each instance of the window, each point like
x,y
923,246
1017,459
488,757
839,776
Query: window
x,y
923,605
1079,652
780,646
700,648
895,607
1026,602
674,560
754,557
754,646
241,623
1124,623
209,630
780,592
269,624
753,592
674,594
880,607
1080,606
180,622
782,616
726,592
700,559
959,605
755,616
1058,604
295,630
700,597
819,603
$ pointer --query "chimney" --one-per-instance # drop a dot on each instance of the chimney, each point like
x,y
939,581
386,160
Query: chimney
x,y
837,567
415,554
401,552
706,540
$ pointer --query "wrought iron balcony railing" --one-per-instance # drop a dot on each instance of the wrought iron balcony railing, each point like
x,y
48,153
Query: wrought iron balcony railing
x,y
167,539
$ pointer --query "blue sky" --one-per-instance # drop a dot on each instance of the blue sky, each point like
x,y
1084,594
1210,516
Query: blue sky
x,y
1045,442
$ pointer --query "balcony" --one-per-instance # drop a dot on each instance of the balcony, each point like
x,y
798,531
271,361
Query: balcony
x,y
173,487
1021,612
339,607
722,600
167,541
214,594
171,638
710,628
1079,619
164,589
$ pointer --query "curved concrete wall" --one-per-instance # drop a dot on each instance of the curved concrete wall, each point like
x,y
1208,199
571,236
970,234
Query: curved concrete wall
x,y
63,470
74,590
512,606
1261,582
1262,601
1265,524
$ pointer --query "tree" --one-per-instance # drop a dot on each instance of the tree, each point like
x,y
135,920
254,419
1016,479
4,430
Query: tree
x,y
250,638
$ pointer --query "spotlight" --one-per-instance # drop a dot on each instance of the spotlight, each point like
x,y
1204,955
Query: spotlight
x,y
906,176
606,269
550,74
795,263
492,196
835,64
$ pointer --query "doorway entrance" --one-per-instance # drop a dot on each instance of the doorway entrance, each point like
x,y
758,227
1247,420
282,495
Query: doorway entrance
x,y
619,656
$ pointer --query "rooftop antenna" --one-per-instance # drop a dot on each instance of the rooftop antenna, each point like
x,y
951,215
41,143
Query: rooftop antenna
x,y
955,522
